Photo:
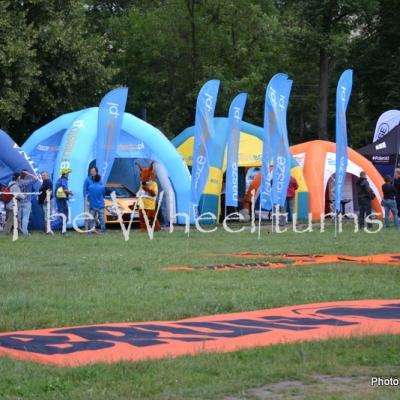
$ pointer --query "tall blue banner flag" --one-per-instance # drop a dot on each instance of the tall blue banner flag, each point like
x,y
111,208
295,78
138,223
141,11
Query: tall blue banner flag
x,y
343,93
270,130
232,171
111,113
278,93
204,128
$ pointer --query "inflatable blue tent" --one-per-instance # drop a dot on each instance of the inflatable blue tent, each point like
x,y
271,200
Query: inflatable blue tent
x,y
13,159
70,141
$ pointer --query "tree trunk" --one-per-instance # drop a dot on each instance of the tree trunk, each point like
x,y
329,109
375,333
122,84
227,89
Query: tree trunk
x,y
301,122
323,95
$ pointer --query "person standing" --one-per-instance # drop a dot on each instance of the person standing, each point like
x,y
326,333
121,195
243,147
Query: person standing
x,y
88,181
396,183
14,188
43,199
25,204
389,202
62,194
96,194
364,199
290,196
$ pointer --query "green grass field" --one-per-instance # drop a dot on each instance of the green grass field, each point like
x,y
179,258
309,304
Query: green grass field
x,y
77,280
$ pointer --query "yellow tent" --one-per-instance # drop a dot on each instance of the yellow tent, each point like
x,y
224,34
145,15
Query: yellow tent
x,y
250,151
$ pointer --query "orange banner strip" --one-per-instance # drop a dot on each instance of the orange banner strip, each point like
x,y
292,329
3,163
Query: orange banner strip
x,y
288,260
108,343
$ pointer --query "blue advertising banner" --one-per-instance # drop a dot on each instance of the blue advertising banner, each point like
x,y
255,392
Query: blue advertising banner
x,y
270,130
204,126
278,98
283,168
13,159
232,172
111,113
343,93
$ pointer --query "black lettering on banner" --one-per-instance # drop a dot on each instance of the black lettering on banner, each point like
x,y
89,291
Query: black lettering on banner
x,y
60,341
137,335
133,336
310,321
49,345
287,323
231,331
390,311
291,324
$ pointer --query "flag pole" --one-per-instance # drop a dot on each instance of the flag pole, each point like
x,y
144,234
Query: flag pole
x,y
274,206
336,217
397,154
226,208
259,215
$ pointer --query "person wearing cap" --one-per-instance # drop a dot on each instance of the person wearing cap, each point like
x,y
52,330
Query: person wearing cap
x,y
62,193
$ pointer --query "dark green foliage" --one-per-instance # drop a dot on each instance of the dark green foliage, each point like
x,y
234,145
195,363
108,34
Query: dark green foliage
x,y
18,69
50,63
59,56
376,57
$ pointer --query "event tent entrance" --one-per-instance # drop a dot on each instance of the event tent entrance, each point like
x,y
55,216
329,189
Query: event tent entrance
x,y
318,161
349,196
70,141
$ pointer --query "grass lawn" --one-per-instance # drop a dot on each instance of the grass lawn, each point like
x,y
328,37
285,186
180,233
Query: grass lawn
x,y
77,280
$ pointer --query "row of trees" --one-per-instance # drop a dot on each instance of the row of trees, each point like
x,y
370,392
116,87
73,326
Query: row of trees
x,y
62,55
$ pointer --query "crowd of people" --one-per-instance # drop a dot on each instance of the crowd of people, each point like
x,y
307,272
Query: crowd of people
x,y
20,187
19,191
390,201
94,193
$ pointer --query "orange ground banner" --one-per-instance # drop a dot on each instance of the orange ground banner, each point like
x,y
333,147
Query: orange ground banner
x,y
288,260
110,343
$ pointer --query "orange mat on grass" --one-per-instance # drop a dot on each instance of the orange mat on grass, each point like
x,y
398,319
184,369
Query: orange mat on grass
x,y
109,343
286,260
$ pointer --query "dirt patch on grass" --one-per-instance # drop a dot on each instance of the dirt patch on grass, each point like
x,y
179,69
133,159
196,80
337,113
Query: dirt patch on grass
x,y
320,387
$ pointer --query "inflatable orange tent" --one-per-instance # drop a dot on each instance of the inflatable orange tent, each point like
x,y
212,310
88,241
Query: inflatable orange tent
x,y
317,158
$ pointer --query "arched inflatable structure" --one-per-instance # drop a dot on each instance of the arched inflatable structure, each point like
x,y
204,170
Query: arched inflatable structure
x,y
250,155
250,148
69,141
317,160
